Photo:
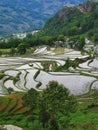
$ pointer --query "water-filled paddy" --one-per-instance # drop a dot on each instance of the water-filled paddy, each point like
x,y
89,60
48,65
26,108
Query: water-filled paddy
x,y
20,72
94,63
75,83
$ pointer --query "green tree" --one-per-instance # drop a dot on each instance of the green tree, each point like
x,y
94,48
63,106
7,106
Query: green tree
x,y
13,42
81,42
29,35
61,38
21,48
0,53
58,103
95,38
31,99
12,51
52,106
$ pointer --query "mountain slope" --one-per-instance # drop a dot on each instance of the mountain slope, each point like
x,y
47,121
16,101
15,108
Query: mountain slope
x,y
69,21
22,15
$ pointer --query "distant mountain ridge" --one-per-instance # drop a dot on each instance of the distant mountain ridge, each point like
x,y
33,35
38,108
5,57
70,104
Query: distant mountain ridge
x,y
21,15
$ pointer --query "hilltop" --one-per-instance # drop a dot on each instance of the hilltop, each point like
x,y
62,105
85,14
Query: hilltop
x,y
77,20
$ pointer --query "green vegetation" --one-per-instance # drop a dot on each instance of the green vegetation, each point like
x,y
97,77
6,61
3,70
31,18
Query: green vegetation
x,y
38,85
70,21
2,75
70,63
51,108
36,74
12,51
49,65
21,48
19,16
54,108
70,25
46,109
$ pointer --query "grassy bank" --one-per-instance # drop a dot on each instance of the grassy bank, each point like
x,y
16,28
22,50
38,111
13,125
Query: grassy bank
x,y
12,111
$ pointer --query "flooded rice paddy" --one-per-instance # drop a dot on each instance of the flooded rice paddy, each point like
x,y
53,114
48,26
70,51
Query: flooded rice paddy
x,y
22,74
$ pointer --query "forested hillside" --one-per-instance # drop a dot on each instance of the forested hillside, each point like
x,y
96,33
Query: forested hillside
x,y
23,15
70,21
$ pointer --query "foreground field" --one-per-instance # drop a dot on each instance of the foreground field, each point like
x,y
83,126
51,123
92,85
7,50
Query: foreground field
x,y
12,111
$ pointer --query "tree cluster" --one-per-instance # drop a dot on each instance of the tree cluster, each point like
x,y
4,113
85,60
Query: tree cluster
x,y
51,107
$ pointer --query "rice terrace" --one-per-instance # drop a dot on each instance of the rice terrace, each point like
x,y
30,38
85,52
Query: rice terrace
x,y
49,68
21,74
78,72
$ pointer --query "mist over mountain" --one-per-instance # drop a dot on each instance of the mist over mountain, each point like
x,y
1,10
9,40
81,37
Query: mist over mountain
x,y
22,15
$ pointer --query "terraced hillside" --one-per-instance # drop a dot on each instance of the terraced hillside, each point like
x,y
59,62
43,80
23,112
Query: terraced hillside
x,y
20,74
12,111
12,104
78,72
